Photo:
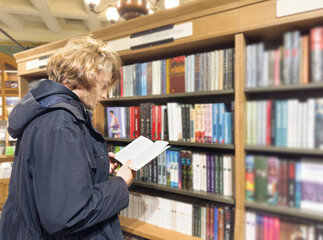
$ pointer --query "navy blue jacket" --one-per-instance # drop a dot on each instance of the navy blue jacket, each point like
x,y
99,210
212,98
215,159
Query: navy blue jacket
x,y
59,187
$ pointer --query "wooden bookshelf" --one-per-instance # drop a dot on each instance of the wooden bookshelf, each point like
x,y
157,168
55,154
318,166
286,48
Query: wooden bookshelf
x,y
180,144
7,63
286,151
286,88
151,231
237,22
199,96
196,194
5,158
285,211
4,186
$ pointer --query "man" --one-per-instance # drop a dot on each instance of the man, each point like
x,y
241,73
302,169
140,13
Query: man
x,y
59,187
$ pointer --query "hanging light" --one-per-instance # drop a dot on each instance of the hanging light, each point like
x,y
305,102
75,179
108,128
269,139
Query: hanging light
x,y
126,9
112,14
171,3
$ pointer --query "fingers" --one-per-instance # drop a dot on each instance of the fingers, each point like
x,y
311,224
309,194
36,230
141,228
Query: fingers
x,y
127,164
111,154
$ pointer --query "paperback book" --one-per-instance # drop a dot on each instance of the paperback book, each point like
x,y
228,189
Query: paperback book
x,y
141,151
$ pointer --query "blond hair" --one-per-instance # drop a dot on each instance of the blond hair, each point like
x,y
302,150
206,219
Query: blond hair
x,y
79,63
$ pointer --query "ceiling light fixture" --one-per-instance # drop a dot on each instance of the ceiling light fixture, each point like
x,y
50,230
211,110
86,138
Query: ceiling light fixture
x,y
128,9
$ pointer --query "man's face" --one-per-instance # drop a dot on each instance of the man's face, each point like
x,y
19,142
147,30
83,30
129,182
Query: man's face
x,y
100,92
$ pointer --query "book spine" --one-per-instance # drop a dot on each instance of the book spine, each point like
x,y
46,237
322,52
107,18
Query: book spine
x,y
212,172
208,173
291,183
189,170
250,182
220,174
316,54
261,176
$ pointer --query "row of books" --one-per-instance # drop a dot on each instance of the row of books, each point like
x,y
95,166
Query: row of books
x,y
205,221
261,226
205,123
297,59
184,169
11,84
285,123
206,71
5,170
285,182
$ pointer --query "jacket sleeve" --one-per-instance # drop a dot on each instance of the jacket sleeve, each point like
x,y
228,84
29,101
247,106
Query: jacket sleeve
x,y
67,201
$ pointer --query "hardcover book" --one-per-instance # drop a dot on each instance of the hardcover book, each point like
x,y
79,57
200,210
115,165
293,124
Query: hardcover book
x,y
177,74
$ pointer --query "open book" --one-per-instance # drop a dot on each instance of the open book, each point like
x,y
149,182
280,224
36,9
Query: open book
x,y
141,151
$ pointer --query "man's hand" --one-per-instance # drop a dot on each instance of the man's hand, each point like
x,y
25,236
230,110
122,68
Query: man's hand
x,y
126,173
113,163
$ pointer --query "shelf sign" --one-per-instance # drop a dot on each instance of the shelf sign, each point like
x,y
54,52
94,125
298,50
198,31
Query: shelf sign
x,y
153,37
289,7
37,63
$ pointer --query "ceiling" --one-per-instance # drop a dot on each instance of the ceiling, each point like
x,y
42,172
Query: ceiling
x,y
43,21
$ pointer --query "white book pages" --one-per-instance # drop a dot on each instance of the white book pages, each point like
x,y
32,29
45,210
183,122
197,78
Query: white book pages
x,y
141,151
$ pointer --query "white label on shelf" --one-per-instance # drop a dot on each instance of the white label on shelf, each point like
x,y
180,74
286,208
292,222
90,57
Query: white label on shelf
x,y
178,31
120,44
289,7
33,64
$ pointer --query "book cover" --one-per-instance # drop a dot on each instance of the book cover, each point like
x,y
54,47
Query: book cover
x,y
183,169
215,122
272,180
114,122
227,128
177,74
291,183
312,185
296,58
220,169
250,178
259,227
287,58
283,180
227,223
189,170
208,173
192,124
194,222
212,173
216,222
149,78
319,123
203,222
203,172
316,54
142,117
221,69
305,59
261,178
221,125
221,223
298,185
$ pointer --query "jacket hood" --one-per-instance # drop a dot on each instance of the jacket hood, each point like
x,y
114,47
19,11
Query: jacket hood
x,y
30,105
